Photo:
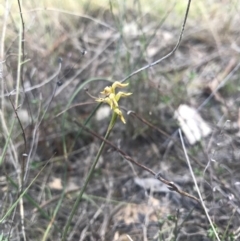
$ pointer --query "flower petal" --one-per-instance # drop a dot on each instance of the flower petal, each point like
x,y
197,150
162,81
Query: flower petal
x,y
107,90
121,94
119,113
119,85
112,97
105,100
109,101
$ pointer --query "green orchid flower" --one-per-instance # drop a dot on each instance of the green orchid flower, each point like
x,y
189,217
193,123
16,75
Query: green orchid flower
x,y
111,98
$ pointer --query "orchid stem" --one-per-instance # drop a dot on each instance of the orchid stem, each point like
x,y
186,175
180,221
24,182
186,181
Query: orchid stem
x,y
76,204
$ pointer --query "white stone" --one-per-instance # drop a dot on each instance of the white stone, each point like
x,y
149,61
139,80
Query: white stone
x,y
103,112
192,124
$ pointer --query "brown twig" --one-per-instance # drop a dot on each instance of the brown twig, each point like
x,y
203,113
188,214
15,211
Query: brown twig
x,y
23,57
165,134
171,185
24,138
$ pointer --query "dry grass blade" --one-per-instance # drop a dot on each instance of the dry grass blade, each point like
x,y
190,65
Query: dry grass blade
x,y
198,190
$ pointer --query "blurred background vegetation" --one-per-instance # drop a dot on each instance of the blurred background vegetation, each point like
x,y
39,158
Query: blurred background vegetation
x,y
72,48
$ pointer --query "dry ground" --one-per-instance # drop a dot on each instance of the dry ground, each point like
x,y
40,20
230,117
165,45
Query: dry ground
x,y
66,53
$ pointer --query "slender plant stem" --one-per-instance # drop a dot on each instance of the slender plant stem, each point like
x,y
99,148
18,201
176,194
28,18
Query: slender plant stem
x,y
76,204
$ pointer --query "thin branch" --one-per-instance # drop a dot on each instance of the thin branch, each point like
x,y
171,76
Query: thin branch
x,y
20,75
169,54
23,133
23,40
37,127
171,185
132,113
23,57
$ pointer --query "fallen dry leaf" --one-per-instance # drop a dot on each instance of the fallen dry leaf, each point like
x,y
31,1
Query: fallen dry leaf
x,y
56,184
